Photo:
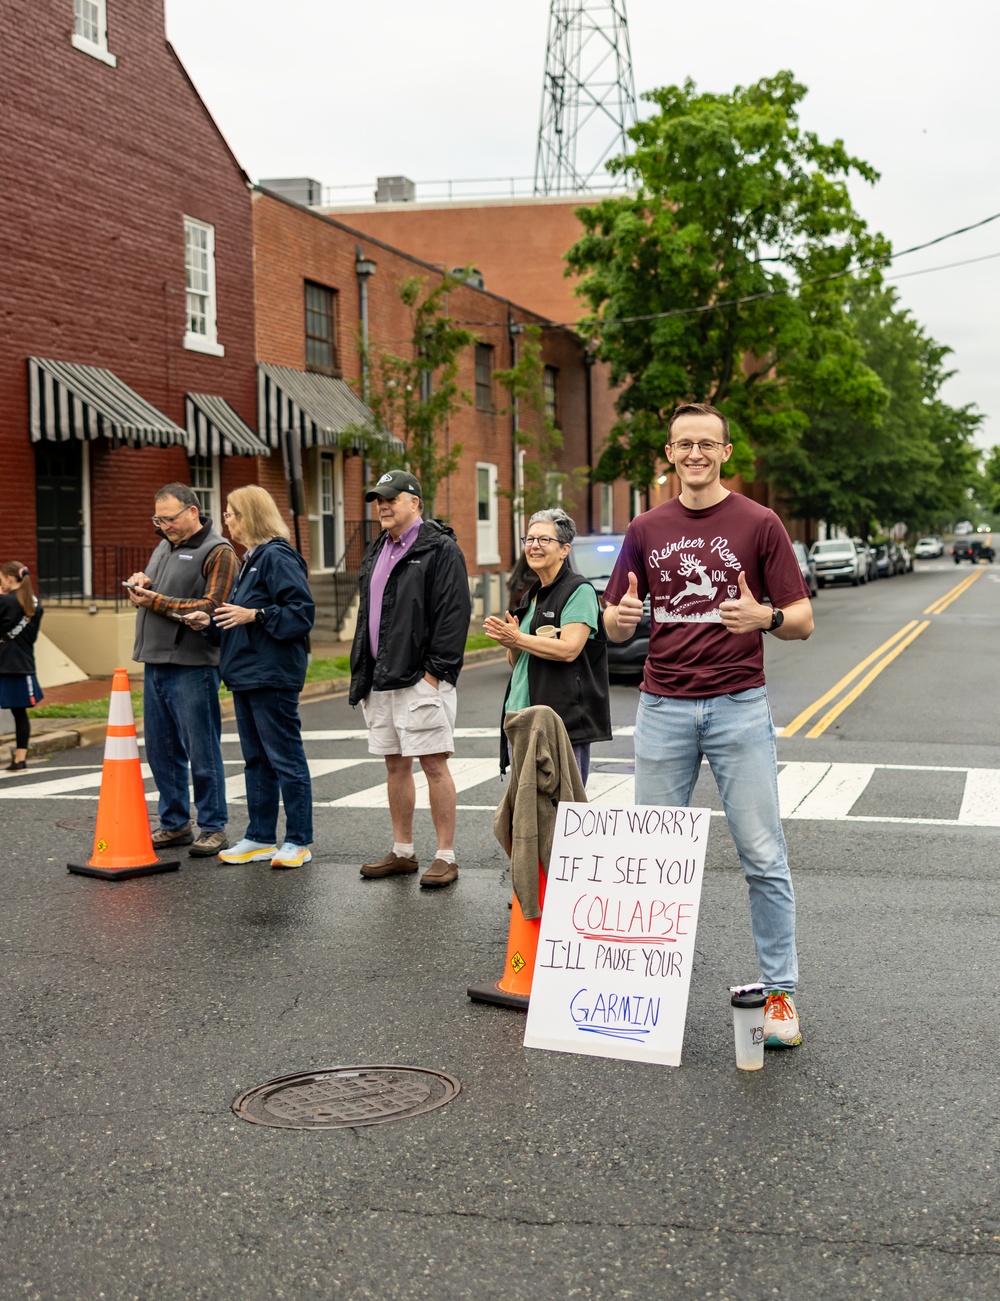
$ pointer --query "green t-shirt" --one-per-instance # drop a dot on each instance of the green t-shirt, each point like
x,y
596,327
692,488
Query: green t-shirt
x,y
580,608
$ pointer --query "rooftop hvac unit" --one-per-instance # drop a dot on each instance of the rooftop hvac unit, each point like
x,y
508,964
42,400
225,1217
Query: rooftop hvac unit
x,y
300,189
395,189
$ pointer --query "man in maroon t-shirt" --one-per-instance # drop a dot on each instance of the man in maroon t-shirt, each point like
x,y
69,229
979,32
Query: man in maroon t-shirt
x,y
706,560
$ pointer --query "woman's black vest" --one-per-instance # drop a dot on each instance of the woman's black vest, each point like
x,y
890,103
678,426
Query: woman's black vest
x,y
577,690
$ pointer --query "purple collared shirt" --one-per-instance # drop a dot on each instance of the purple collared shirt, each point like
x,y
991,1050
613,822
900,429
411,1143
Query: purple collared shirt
x,y
388,558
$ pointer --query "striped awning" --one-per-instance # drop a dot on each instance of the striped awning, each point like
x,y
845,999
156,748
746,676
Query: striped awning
x,y
68,400
214,429
321,408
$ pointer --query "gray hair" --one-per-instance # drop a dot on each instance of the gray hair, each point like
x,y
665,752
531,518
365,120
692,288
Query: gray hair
x,y
560,521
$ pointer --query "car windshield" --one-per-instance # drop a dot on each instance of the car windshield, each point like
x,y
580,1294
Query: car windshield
x,y
596,559
832,548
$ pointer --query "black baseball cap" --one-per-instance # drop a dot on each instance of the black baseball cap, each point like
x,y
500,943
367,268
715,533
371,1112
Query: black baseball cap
x,y
392,484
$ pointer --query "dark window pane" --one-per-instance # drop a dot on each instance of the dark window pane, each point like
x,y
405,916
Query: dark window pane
x,y
321,328
484,377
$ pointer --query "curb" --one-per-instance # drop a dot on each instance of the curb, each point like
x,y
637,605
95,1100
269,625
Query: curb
x,y
93,733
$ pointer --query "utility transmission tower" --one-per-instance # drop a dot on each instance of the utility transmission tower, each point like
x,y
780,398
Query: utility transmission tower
x,y
588,99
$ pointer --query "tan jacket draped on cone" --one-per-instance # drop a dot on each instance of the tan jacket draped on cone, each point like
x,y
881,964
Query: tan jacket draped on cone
x,y
543,771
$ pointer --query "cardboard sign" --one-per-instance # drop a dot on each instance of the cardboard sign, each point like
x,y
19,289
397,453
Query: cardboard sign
x,y
616,945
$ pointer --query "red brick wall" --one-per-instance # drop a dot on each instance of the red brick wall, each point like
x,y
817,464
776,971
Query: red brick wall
x,y
105,164
293,245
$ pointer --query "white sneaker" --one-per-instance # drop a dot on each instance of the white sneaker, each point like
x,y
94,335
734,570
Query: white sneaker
x,y
248,851
290,855
781,1021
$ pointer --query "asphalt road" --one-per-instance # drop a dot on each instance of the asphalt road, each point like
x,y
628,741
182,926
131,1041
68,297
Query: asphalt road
x,y
862,1165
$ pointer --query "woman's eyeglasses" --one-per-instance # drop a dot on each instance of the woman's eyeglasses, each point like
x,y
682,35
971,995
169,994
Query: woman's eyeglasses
x,y
538,542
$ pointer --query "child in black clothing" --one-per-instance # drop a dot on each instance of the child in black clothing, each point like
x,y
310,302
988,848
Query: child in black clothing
x,y
20,615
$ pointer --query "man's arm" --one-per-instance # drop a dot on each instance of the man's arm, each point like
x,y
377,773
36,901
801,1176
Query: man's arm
x,y
221,570
621,620
452,614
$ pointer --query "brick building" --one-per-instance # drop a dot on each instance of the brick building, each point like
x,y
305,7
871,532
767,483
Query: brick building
x,y
126,288
320,284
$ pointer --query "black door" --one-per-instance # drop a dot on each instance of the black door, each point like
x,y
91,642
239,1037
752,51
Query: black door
x,y
59,507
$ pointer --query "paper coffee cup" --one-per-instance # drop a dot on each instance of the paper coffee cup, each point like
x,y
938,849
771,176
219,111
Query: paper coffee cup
x,y
748,1027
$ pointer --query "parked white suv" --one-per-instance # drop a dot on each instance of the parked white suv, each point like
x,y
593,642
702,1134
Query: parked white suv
x,y
838,561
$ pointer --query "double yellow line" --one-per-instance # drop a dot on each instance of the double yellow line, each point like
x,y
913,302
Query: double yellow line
x,y
880,659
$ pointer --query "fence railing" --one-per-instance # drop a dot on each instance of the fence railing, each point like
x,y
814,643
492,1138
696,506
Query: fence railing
x,y
70,574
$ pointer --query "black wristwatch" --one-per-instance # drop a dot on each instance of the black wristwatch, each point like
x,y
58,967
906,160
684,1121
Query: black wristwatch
x,y
259,616
777,619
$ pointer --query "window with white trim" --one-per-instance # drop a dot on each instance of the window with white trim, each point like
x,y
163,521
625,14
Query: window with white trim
x,y
205,486
487,520
607,508
550,393
90,30
200,334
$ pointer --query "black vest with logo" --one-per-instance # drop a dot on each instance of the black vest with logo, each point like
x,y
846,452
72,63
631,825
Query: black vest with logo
x,y
177,571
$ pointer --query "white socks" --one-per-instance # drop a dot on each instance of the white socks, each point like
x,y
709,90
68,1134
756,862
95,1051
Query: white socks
x,y
403,851
447,854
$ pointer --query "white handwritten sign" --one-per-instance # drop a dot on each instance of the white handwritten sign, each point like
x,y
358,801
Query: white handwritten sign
x,y
617,937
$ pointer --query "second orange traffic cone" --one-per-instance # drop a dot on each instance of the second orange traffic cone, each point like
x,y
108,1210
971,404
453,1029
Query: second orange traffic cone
x,y
514,986
123,845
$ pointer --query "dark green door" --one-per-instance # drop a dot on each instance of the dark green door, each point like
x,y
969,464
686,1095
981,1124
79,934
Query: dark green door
x,y
59,507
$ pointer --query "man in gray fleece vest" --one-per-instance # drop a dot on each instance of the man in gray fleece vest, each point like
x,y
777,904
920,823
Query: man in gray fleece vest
x,y
193,568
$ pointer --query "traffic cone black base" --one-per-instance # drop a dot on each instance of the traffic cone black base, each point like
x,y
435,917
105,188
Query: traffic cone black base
x,y
123,873
494,994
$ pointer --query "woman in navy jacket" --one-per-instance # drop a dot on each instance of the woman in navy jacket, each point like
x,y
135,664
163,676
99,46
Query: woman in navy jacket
x,y
265,628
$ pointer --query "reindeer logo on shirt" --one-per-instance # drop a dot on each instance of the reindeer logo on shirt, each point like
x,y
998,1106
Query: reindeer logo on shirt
x,y
704,587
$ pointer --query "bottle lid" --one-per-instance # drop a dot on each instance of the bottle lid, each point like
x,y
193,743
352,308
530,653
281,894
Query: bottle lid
x,y
749,998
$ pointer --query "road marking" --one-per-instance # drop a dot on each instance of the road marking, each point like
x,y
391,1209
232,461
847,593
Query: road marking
x,y
61,787
942,603
845,681
833,797
832,714
466,773
236,786
796,781
981,800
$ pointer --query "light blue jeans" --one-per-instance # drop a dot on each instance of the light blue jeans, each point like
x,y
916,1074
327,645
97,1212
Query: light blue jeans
x,y
735,734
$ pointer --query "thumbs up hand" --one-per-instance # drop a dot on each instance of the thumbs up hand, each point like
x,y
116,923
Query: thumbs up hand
x,y
744,614
630,607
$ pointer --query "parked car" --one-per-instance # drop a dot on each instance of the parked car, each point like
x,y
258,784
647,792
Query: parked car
x,y
906,558
837,561
976,549
868,558
808,567
889,561
593,555
929,547
963,528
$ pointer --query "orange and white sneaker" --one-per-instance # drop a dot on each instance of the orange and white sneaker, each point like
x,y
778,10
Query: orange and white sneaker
x,y
781,1021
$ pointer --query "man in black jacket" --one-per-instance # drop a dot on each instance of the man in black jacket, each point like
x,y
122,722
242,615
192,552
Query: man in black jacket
x,y
409,644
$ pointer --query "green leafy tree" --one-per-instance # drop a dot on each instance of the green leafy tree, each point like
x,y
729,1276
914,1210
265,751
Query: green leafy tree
x,y
990,490
734,205
544,485
412,397
897,452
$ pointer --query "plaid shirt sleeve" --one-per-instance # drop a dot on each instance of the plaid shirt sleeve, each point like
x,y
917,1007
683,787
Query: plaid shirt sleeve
x,y
221,570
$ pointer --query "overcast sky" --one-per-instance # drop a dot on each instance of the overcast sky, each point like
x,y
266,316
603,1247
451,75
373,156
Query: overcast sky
x,y
450,89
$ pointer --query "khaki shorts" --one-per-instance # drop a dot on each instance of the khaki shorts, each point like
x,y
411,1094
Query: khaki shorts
x,y
411,721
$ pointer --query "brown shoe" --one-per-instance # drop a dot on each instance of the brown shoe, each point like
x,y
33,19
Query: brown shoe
x,y
208,844
391,865
440,872
164,839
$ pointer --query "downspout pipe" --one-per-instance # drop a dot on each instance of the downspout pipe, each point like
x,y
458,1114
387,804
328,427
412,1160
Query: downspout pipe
x,y
517,514
364,269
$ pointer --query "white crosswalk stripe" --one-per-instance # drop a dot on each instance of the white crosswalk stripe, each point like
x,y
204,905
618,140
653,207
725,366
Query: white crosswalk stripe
x,y
813,791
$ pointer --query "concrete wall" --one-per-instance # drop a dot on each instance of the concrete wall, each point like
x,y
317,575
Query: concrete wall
x,y
100,643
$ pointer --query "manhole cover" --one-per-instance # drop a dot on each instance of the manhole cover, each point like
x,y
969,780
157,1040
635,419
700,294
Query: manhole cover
x,y
84,823
346,1096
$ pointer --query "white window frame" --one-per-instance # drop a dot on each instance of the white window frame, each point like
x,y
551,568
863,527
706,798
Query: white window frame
x,y
488,530
91,16
607,508
635,502
209,494
206,340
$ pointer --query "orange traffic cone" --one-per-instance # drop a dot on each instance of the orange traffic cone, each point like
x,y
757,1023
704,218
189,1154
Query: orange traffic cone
x,y
123,846
514,986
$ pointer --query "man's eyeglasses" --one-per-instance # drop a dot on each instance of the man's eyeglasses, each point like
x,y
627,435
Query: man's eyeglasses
x,y
160,520
538,542
685,445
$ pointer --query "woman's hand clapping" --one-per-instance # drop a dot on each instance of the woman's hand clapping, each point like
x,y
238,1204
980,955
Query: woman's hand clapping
x,y
505,630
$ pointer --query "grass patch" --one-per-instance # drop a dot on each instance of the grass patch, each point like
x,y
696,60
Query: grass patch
x,y
85,708
479,641
324,670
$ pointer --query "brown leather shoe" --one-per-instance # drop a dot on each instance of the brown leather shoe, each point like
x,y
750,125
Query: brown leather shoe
x,y
440,872
391,865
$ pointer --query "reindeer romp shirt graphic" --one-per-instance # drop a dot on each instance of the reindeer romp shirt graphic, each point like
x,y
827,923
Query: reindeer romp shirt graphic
x,y
717,567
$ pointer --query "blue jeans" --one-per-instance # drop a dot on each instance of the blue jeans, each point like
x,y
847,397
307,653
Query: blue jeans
x,y
182,727
271,741
736,735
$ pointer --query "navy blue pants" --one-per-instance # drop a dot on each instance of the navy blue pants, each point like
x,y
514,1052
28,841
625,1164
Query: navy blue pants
x,y
271,740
